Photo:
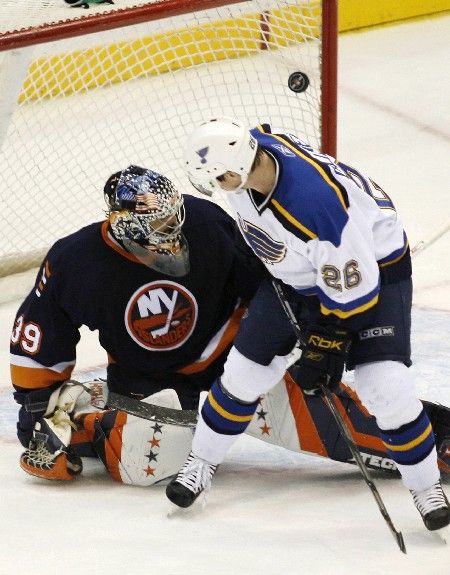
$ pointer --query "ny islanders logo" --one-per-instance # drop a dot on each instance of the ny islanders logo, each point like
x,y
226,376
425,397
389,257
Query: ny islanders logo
x,y
161,315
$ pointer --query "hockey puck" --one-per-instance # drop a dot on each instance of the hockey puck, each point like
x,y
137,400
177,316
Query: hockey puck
x,y
298,82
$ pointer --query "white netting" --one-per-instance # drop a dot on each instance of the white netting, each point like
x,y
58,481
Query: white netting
x,y
20,14
93,104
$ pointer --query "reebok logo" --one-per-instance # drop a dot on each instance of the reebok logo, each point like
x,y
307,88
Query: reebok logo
x,y
386,331
324,343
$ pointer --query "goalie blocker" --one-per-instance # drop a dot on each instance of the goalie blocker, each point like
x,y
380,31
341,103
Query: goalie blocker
x,y
140,452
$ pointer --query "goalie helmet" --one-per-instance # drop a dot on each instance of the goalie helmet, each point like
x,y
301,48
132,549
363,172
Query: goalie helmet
x,y
215,147
146,214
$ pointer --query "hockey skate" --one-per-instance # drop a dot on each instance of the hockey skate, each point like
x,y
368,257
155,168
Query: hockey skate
x,y
193,479
433,506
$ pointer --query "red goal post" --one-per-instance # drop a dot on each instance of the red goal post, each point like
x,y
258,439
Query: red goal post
x,y
84,93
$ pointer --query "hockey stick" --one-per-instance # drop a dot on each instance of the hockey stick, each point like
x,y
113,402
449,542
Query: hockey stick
x,y
424,244
167,415
102,398
341,424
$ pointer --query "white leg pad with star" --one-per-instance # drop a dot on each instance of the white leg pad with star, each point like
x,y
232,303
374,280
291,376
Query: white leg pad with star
x,y
146,452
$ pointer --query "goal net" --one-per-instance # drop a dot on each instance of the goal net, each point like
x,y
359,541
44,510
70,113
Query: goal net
x,y
84,93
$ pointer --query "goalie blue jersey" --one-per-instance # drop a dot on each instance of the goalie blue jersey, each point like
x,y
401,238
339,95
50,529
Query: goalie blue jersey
x,y
148,323
325,229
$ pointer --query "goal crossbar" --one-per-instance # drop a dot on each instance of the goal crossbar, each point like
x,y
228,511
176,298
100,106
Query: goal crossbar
x,y
105,21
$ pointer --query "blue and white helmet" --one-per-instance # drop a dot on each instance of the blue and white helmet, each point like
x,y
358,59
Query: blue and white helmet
x,y
215,147
138,200
146,214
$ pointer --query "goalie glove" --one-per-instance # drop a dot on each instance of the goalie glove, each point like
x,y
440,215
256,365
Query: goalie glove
x,y
323,358
49,455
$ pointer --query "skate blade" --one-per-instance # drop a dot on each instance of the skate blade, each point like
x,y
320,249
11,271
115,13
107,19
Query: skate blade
x,y
425,538
196,508
441,536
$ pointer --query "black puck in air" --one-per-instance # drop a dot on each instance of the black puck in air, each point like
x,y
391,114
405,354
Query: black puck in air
x,y
298,82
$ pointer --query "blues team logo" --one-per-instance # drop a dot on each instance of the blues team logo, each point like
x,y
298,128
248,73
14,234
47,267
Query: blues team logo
x,y
161,315
202,153
284,150
270,251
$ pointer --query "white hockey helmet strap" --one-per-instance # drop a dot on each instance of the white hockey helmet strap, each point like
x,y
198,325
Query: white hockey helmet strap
x,y
220,145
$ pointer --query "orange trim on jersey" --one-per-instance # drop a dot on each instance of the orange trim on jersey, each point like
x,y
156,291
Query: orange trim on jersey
x,y
308,435
113,446
116,247
227,338
48,273
35,377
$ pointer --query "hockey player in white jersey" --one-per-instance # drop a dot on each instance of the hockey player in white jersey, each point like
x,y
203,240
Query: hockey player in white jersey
x,y
334,239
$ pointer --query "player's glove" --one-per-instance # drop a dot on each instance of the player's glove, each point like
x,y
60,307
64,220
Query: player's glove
x,y
49,455
323,358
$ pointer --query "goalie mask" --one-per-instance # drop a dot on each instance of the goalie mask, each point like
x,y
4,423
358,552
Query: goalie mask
x,y
146,213
216,147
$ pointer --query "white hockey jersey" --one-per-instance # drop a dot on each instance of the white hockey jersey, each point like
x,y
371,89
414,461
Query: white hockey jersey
x,y
325,229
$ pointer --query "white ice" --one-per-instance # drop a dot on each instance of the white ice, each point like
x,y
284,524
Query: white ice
x,y
271,511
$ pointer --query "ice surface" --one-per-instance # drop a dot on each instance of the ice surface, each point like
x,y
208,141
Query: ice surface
x,y
271,511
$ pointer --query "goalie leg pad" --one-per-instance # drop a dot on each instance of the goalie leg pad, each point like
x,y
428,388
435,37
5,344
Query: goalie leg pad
x,y
136,451
303,423
440,420
298,422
